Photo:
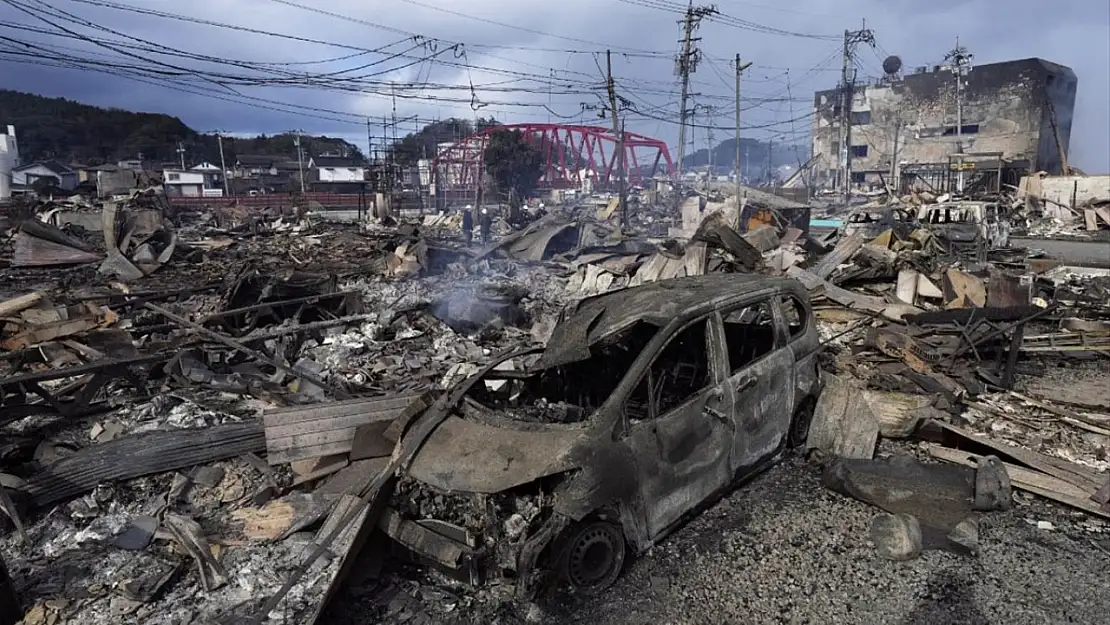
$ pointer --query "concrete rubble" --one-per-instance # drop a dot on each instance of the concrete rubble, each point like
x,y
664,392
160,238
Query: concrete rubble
x,y
202,411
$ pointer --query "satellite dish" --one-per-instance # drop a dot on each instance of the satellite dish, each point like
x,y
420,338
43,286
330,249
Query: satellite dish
x,y
892,64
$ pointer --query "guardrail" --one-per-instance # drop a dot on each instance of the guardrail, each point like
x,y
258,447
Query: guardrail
x,y
271,200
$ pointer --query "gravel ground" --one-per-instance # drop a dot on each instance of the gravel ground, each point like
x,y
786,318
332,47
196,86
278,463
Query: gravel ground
x,y
785,550
782,549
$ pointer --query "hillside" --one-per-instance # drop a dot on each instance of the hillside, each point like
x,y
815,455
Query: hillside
x,y
753,153
68,131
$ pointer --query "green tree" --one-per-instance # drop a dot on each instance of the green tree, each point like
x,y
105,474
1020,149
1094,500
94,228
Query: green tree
x,y
513,163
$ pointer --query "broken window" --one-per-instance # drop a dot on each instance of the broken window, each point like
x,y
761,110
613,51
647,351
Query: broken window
x,y
749,334
679,371
859,151
794,312
567,393
858,177
861,118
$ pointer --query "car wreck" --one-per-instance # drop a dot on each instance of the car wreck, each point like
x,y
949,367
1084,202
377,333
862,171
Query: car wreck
x,y
871,223
550,466
969,228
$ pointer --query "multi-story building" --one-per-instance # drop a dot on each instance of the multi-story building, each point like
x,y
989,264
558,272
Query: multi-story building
x,y
1013,117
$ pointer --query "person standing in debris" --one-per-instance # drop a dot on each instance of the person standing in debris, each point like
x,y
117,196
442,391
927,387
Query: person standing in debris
x,y
485,223
468,224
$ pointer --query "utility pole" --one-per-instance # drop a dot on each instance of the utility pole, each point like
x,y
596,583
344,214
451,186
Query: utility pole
x,y
895,183
736,169
958,61
618,130
852,38
181,153
300,159
223,165
770,150
686,63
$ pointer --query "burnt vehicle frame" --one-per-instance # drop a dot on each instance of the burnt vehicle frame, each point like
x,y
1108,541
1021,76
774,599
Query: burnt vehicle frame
x,y
726,380
873,222
969,228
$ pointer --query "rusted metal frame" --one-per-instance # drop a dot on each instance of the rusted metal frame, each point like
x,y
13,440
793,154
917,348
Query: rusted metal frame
x,y
81,403
1001,331
236,345
90,367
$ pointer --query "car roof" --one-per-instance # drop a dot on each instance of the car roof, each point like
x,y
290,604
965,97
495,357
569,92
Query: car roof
x,y
596,318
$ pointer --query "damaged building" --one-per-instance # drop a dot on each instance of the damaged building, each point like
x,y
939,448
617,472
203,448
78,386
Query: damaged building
x,y
1016,118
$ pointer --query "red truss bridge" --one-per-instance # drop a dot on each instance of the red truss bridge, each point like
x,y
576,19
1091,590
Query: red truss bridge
x,y
573,154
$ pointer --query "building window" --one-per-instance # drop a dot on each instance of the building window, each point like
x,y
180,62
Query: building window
x,y
173,177
859,151
861,118
858,177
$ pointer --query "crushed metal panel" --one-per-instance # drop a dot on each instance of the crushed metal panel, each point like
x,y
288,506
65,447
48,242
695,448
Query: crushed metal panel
x,y
304,432
34,251
534,246
142,454
472,457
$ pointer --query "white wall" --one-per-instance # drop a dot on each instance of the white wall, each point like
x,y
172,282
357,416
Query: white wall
x,y
172,177
341,174
9,159
1062,189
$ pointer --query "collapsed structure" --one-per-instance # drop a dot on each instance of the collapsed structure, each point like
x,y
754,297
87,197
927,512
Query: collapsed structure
x,y
229,416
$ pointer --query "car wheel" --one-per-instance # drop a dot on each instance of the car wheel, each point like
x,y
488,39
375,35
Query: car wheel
x,y
799,425
593,556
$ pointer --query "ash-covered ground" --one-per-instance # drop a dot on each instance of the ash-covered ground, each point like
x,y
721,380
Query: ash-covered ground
x,y
783,549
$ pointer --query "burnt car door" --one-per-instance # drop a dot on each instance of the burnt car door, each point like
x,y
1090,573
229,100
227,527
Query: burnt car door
x,y
679,428
759,385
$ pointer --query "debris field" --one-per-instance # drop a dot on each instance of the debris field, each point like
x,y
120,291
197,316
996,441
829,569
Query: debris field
x,y
714,413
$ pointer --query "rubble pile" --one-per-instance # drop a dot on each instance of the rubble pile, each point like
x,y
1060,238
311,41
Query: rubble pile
x,y
209,417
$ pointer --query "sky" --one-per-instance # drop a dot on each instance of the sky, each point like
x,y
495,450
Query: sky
x,y
328,66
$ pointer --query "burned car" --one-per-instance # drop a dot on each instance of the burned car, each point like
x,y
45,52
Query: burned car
x,y
872,223
969,228
553,464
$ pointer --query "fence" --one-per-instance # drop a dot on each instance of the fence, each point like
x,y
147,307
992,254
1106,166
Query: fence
x,y
273,200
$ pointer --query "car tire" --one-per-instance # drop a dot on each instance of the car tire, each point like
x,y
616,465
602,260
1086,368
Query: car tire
x,y
799,425
593,554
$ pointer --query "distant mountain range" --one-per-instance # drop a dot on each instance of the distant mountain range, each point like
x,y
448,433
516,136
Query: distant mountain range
x,y
753,156
68,131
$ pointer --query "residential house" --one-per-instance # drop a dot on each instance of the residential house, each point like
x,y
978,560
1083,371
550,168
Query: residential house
x,y
133,164
62,176
191,183
256,165
334,174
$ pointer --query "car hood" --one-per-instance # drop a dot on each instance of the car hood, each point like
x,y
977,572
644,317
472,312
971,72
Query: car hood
x,y
468,456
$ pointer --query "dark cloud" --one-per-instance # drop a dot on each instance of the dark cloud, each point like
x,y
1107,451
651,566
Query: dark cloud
x,y
785,67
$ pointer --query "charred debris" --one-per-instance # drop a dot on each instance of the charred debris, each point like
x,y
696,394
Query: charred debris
x,y
216,417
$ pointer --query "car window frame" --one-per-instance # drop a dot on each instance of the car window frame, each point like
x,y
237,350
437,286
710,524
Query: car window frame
x,y
714,368
803,312
776,321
